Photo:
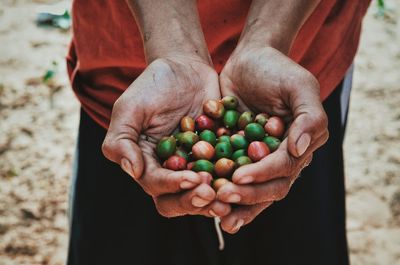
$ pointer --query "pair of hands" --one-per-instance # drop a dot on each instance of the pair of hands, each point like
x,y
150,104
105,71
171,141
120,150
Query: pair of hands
x,y
264,80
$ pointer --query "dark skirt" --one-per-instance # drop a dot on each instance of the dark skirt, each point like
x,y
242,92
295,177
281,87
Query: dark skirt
x,y
115,222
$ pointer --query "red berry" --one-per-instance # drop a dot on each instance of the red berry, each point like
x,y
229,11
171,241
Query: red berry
x,y
223,131
241,132
190,165
257,151
187,124
218,183
204,123
214,108
275,127
176,163
224,168
203,150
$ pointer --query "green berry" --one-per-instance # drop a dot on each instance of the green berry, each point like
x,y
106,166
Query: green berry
x,y
261,119
203,165
254,132
231,117
243,160
244,119
166,147
238,153
272,142
209,137
223,149
239,142
188,139
230,102
224,139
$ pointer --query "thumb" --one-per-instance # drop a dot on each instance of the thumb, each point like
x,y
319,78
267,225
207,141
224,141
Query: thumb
x,y
310,120
121,142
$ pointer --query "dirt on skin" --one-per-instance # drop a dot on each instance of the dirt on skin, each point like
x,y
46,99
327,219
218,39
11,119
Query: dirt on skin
x,y
38,125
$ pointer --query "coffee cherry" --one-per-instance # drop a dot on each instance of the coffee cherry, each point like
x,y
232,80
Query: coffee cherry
x,y
190,165
272,143
224,139
239,142
203,150
218,183
241,132
188,139
214,108
187,124
261,119
254,132
180,152
166,147
257,151
223,131
238,153
245,118
223,149
175,163
243,160
209,137
231,118
230,102
203,122
224,168
203,165
275,127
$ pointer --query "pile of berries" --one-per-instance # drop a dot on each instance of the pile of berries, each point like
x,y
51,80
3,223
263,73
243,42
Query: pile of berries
x,y
221,140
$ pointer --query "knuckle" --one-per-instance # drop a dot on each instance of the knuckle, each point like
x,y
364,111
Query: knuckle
x,y
107,148
321,120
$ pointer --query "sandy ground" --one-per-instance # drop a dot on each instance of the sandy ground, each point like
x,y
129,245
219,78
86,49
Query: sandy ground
x,y
38,125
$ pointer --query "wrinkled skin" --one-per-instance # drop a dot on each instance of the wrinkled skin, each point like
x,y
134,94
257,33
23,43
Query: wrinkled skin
x,y
265,80
150,108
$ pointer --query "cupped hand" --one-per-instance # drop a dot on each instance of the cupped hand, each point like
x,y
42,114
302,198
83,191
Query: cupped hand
x,y
150,108
266,80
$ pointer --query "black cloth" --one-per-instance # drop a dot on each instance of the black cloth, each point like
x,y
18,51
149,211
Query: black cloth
x,y
115,222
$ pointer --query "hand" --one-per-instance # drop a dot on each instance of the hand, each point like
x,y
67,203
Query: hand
x,y
150,108
265,80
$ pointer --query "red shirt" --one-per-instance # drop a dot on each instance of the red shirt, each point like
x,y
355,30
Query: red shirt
x,y
106,52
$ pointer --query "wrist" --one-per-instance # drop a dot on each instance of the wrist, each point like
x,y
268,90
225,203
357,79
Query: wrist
x,y
176,42
257,35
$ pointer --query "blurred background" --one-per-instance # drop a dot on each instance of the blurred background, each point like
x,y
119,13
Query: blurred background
x,y
39,119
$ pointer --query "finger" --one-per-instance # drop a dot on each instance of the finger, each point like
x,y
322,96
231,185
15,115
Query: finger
x,y
273,190
157,180
120,144
310,120
199,201
241,216
279,163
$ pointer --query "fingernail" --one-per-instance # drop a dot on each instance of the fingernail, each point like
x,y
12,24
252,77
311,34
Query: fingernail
x,y
187,184
127,167
199,202
233,198
246,180
212,213
302,143
238,225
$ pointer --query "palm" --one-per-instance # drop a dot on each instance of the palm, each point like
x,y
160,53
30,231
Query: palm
x,y
167,91
262,79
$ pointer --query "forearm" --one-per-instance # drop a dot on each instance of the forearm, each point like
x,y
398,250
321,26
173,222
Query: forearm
x,y
169,28
275,22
